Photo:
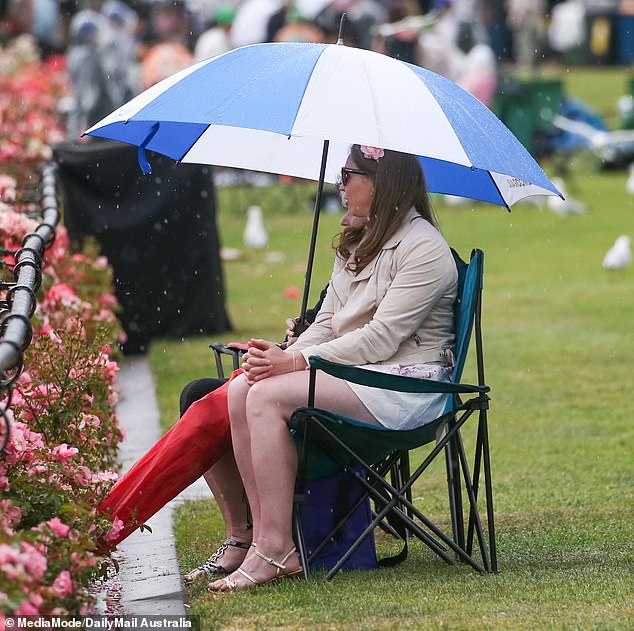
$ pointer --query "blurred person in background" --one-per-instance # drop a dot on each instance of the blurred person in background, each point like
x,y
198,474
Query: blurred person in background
x,y
101,63
118,51
362,16
217,38
92,98
296,28
402,44
168,42
40,18
525,21
456,46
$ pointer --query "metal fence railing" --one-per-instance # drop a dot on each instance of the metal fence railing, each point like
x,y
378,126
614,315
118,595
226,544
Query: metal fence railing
x,y
18,298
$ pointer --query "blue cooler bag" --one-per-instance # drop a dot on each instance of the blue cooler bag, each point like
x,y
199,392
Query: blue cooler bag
x,y
326,502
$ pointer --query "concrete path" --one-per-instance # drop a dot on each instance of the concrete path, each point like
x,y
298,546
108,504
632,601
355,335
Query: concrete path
x,y
149,574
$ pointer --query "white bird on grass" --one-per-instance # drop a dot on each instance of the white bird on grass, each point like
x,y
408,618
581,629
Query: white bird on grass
x,y
619,256
567,206
255,235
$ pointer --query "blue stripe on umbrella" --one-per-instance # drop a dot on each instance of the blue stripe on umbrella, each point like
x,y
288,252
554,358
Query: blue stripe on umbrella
x,y
219,94
486,140
171,139
441,177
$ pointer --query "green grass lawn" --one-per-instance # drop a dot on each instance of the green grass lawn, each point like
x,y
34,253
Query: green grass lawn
x,y
558,342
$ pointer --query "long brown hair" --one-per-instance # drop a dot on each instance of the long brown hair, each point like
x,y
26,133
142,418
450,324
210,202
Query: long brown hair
x,y
399,185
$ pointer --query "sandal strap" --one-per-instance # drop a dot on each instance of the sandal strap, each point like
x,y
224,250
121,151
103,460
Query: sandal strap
x,y
246,575
210,567
237,544
278,564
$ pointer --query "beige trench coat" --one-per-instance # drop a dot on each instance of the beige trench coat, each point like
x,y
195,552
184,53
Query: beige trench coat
x,y
397,310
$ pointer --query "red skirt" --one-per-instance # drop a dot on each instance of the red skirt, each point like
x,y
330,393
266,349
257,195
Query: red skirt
x,y
178,459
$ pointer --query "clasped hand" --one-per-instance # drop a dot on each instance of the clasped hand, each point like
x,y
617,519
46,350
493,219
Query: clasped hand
x,y
265,359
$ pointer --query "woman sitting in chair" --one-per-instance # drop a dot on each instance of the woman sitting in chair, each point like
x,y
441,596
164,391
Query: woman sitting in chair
x,y
389,307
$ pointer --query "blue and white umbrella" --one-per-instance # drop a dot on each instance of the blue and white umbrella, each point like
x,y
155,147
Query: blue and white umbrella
x,y
270,107
295,109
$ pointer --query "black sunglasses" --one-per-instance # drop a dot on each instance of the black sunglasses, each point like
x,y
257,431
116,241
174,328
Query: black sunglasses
x,y
346,172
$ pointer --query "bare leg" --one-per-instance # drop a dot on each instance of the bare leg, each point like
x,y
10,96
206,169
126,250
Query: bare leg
x,y
226,486
267,459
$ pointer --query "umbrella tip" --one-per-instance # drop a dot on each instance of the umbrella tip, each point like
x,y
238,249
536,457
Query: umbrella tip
x,y
341,24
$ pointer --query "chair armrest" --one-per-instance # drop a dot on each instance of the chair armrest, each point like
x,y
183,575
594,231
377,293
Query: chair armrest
x,y
387,381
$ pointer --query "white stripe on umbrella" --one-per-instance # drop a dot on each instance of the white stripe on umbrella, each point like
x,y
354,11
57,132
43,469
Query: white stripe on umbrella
x,y
368,119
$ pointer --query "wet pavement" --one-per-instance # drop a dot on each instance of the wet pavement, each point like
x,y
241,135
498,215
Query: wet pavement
x,y
149,579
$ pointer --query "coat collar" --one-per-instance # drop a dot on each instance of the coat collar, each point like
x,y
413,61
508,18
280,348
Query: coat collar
x,y
390,244
397,237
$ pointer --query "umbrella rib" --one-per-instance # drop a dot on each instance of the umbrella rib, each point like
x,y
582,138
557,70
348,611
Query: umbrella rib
x,y
497,188
179,160
369,84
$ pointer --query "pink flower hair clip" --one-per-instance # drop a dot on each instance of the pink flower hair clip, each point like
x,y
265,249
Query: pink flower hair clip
x,y
373,153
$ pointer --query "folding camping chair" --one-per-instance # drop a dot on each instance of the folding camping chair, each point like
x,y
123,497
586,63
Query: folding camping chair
x,y
328,443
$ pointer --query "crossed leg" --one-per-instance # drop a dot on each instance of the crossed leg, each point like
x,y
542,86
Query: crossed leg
x,y
225,484
267,460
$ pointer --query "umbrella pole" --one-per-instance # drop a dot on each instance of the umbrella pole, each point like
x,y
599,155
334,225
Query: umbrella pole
x,y
313,238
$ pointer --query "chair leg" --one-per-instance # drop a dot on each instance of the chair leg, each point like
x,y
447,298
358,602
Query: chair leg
x,y
455,493
299,537
489,491
482,461
474,515
400,473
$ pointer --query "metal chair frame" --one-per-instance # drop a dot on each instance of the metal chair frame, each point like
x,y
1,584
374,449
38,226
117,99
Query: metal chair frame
x,y
318,428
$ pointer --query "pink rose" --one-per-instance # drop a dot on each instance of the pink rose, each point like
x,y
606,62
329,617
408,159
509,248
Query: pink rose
x,y
34,561
117,527
10,515
64,452
372,153
27,608
63,585
58,527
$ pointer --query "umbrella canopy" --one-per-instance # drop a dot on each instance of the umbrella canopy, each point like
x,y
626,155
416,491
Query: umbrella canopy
x,y
271,107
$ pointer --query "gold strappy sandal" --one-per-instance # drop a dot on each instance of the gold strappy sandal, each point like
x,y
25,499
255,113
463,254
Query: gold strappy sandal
x,y
280,573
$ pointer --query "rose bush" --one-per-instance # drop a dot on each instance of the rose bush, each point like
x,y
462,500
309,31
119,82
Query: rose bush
x,y
61,453
64,433
29,93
